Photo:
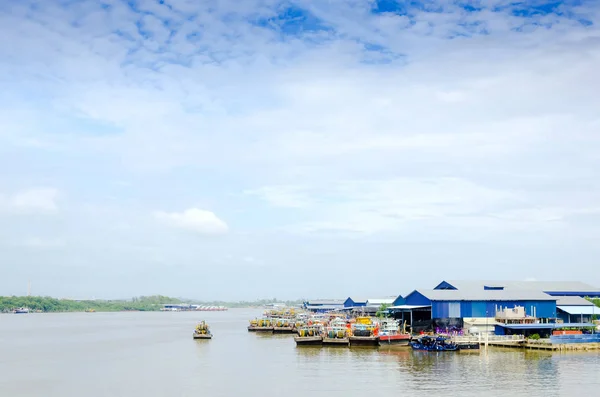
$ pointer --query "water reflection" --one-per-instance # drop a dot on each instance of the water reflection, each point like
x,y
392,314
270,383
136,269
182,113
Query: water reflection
x,y
159,348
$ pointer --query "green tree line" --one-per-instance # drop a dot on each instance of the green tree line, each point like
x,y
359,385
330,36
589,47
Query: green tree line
x,y
48,304
142,303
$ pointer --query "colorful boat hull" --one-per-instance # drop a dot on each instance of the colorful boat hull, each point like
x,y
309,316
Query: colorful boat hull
x,y
395,340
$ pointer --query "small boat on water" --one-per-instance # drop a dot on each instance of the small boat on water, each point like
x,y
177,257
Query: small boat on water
x,y
391,335
202,331
261,325
434,344
364,332
21,310
309,335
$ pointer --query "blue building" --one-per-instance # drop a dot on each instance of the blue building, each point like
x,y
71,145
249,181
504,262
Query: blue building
x,y
355,302
573,309
448,308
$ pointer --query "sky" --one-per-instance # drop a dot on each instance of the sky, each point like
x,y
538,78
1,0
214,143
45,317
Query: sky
x,y
296,149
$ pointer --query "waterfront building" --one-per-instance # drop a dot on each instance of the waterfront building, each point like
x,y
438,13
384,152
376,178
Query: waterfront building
x,y
323,305
454,310
480,305
573,309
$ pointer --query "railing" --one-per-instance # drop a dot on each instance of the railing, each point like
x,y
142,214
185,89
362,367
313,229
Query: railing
x,y
489,338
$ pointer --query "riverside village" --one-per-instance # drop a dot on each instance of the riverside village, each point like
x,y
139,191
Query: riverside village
x,y
451,316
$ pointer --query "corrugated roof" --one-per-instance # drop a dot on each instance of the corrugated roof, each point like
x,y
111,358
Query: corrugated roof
x,y
408,307
586,310
326,302
380,301
485,295
324,307
573,301
552,286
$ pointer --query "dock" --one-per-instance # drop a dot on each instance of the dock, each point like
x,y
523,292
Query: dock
x,y
342,342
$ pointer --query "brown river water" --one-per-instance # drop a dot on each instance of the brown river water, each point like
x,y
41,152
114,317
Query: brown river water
x,y
153,354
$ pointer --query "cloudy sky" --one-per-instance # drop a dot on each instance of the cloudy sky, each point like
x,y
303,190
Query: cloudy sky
x,y
263,148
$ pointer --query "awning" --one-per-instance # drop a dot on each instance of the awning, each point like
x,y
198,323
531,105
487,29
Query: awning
x,y
408,307
585,310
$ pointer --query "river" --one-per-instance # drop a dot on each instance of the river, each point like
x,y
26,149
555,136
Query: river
x,y
153,354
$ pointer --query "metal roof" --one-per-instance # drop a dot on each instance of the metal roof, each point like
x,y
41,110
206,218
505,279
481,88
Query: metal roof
x,y
485,295
380,301
408,307
324,307
552,286
587,310
573,301
326,302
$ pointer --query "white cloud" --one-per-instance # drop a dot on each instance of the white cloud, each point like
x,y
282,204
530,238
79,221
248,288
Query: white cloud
x,y
31,201
375,126
195,220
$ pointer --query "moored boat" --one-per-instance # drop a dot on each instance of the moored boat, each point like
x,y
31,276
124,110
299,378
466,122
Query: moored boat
x,y
21,310
261,325
436,344
309,335
283,326
391,335
202,331
364,332
337,333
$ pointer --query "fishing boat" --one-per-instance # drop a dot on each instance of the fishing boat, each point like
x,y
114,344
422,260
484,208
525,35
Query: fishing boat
x,y
391,335
336,333
309,335
21,310
202,331
283,326
261,325
435,344
364,332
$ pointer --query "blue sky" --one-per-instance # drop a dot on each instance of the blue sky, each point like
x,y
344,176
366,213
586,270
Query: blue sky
x,y
231,150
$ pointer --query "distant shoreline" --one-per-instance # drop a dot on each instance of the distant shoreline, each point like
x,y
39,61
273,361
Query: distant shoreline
x,y
37,304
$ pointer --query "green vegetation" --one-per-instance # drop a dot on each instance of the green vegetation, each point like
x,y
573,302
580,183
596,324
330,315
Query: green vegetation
x,y
535,336
595,301
382,312
239,304
47,304
142,303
